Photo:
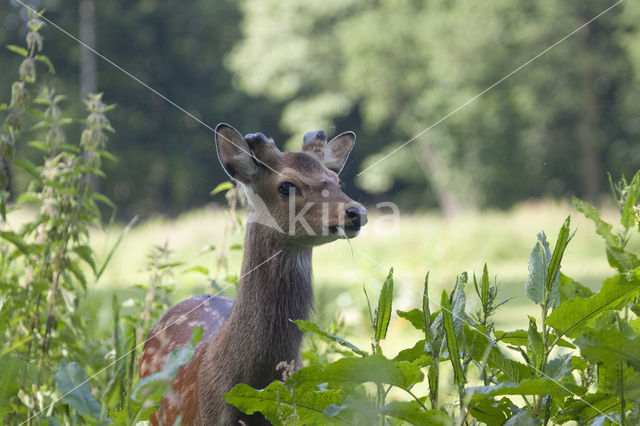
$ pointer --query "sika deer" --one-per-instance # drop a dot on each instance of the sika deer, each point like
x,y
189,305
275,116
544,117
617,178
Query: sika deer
x,y
295,203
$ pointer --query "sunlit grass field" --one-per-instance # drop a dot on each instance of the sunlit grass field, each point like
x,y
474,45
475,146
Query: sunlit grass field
x,y
417,243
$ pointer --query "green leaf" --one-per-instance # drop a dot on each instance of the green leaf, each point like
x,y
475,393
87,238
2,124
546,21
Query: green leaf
x,y
514,371
631,199
41,146
414,316
520,338
103,199
572,316
586,408
522,418
413,413
618,379
559,368
418,351
621,259
200,269
18,49
224,186
458,303
373,368
77,272
46,61
69,147
4,316
73,383
9,384
609,346
106,154
535,348
16,240
603,228
426,313
308,326
451,338
541,386
489,411
383,313
86,253
538,264
28,167
552,281
16,344
483,290
516,337
570,289
277,403
36,113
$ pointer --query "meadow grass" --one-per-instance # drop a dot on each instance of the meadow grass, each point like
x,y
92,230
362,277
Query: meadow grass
x,y
445,246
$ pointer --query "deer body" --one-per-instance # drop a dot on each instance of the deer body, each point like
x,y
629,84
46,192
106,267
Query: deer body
x,y
245,340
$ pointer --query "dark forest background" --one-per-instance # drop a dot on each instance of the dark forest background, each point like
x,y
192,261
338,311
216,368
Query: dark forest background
x,y
386,69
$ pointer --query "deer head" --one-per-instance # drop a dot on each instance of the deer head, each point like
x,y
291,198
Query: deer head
x,y
298,194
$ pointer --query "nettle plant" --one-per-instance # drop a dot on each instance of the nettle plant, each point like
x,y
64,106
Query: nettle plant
x,y
579,360
45,346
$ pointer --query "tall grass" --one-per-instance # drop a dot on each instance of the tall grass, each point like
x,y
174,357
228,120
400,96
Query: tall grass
x,y
424,241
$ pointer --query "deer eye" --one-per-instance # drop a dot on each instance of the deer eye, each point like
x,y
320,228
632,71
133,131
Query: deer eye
x,y
284,188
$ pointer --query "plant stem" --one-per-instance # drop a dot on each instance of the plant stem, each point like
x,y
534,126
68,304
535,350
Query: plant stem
x,y
416,398
380,401
623,404
545,354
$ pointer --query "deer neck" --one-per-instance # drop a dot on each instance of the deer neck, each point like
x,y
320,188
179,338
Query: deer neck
x,y
275,288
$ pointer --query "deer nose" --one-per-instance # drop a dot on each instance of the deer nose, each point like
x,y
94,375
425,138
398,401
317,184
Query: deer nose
x,y
357,216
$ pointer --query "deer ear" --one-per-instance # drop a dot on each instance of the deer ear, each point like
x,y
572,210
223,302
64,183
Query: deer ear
x,y
234,154
337,151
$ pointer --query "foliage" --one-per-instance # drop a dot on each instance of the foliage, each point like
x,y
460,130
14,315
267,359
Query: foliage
x,y
284,69
165,159
394,69
45,264
577,361
57,369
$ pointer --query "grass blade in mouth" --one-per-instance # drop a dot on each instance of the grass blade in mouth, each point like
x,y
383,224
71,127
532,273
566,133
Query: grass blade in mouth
x,y
344,235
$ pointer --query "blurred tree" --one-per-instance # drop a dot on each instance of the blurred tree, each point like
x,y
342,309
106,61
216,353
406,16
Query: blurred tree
x,y
387,69
550,129
166,160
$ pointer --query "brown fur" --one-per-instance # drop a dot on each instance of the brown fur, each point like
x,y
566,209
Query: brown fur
x,y
245,343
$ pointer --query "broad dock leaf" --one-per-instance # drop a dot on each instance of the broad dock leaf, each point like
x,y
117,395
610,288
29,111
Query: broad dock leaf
x,y
541,386
73,384
609,345
572,316
278,403
374,368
